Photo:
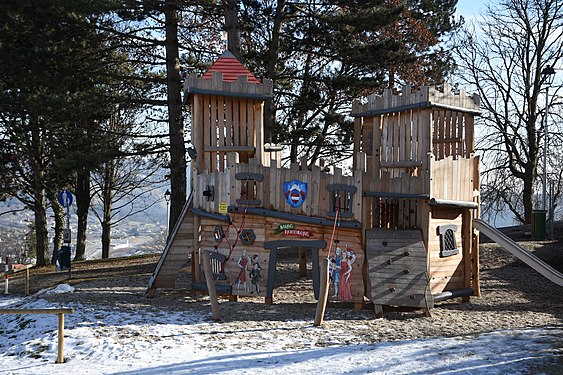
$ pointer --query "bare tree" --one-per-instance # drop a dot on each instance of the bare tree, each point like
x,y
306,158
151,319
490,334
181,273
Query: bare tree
x,y
503,58
123,185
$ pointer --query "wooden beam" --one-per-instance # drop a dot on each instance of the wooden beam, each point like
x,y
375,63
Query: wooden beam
x,y
61,323
401,164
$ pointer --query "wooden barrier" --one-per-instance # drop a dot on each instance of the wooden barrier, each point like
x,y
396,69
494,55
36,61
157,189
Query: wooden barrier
x,y
21,268
61,329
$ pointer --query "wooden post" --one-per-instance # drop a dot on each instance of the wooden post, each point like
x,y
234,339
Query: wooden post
x,y
61,326
27,281
61,337
211,285
323,294
302,262
467,240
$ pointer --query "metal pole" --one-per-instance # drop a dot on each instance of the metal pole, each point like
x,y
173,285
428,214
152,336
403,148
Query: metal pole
x,y
551,203
544,196
167,218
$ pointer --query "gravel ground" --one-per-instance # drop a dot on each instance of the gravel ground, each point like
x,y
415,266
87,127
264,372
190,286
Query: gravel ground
x,y
514,296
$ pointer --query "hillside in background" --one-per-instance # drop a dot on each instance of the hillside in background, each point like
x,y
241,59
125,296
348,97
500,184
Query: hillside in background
x,y
139,234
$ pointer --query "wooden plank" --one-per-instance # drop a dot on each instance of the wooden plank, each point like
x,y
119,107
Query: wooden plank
x,y
385,142
213,129
197,131
395,142
258,131
447,133
243,124
401,137
402,299
236,122
251,131
376,142
469,136
358,137
221,131
207,133
229,121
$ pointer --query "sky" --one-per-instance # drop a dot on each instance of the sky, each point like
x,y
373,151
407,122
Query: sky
x,y
471,8
135,340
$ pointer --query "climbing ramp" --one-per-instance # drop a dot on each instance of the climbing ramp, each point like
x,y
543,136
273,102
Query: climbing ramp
x,y
513,248
175,255
398,269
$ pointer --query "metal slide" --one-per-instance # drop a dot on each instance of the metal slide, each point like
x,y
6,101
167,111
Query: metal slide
x,y
513,248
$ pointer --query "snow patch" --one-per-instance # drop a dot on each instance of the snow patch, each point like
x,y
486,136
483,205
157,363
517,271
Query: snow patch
x,y
61,288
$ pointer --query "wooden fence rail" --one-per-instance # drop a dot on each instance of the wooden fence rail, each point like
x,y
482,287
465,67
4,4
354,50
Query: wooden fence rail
x,y
61,329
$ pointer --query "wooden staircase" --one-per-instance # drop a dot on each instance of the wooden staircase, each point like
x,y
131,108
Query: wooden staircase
x,y
179,247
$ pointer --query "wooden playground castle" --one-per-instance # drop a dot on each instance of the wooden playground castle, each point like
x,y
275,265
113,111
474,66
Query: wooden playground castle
x,y
398,231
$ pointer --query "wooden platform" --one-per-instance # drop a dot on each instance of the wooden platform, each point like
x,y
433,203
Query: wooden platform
x,y
398,269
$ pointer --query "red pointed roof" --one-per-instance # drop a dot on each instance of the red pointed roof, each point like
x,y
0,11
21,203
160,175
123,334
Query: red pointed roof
x,y
228,65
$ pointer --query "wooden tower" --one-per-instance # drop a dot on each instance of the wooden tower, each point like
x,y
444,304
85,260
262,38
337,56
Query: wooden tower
x,y
420,194
227,105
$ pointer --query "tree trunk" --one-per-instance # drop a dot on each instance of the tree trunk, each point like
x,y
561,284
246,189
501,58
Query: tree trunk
x,y
38,183
273,52
106,238
107,204
176,127
528,193
59,212
82,206
41,238
230,10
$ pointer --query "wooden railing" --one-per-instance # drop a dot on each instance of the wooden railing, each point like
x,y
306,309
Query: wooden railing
x,y
454,179
61,328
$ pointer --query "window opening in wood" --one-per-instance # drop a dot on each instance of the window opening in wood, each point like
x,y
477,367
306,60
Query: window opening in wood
x,y
249,190
448,246
341,199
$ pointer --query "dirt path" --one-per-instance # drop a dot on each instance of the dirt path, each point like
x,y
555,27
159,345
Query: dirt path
x,y
513,296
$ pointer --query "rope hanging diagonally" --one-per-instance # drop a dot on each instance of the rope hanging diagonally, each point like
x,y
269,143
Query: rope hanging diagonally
x,y
225,235
333,232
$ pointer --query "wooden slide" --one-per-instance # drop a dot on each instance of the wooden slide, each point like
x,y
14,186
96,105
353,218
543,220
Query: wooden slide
x,y
176,252
513,248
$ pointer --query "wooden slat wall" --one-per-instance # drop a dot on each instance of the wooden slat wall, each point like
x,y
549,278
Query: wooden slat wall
x,y
446,273
453,135
453,179
408,135
270,193
222,119
392,213
241,85
257,224
264,229
223,124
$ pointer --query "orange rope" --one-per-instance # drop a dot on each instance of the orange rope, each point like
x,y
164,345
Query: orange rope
x,y
333,231
226,234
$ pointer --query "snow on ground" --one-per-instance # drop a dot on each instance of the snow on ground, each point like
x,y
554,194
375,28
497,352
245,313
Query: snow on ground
x,y
148,341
